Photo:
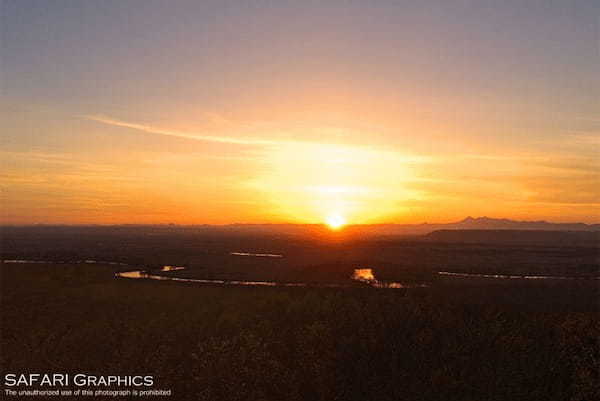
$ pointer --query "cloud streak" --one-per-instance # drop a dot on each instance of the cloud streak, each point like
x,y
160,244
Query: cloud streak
x,y
179,134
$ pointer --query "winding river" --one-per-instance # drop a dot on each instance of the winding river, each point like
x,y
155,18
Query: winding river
x,y
364,276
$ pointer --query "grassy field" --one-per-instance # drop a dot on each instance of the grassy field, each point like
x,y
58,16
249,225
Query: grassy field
x,y
227,343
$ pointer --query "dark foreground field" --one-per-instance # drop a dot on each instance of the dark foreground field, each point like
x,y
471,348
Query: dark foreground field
x,y
232,343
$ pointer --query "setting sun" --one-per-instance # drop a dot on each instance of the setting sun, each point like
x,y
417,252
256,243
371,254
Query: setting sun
x,y
335,221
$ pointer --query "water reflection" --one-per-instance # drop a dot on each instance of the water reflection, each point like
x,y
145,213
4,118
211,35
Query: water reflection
x,y
514,276
367,276
171,268
259,255
132,274
140,274
364,275
78,261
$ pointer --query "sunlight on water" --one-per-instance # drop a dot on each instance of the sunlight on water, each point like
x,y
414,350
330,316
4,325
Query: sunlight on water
x,y
365,275
260,255
514,276
132,274
168,268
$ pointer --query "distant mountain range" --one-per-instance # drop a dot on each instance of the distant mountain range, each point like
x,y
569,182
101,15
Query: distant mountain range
x,y
479,223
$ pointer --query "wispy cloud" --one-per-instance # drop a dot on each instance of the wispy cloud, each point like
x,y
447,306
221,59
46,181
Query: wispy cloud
x,y
180,134
328,149
587,138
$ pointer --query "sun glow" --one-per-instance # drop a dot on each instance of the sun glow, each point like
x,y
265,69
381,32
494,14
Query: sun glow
x,y
309,183
335,221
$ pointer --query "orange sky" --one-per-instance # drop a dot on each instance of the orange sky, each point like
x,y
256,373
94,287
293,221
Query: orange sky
x,y
289,113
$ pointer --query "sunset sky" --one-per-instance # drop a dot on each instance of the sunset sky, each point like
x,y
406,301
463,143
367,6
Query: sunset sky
x,y
299,111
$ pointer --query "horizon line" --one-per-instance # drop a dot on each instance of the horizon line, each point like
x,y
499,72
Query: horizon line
x,y
468,218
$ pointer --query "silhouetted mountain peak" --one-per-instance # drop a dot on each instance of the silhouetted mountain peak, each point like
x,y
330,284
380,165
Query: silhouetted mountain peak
x,y
489,223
